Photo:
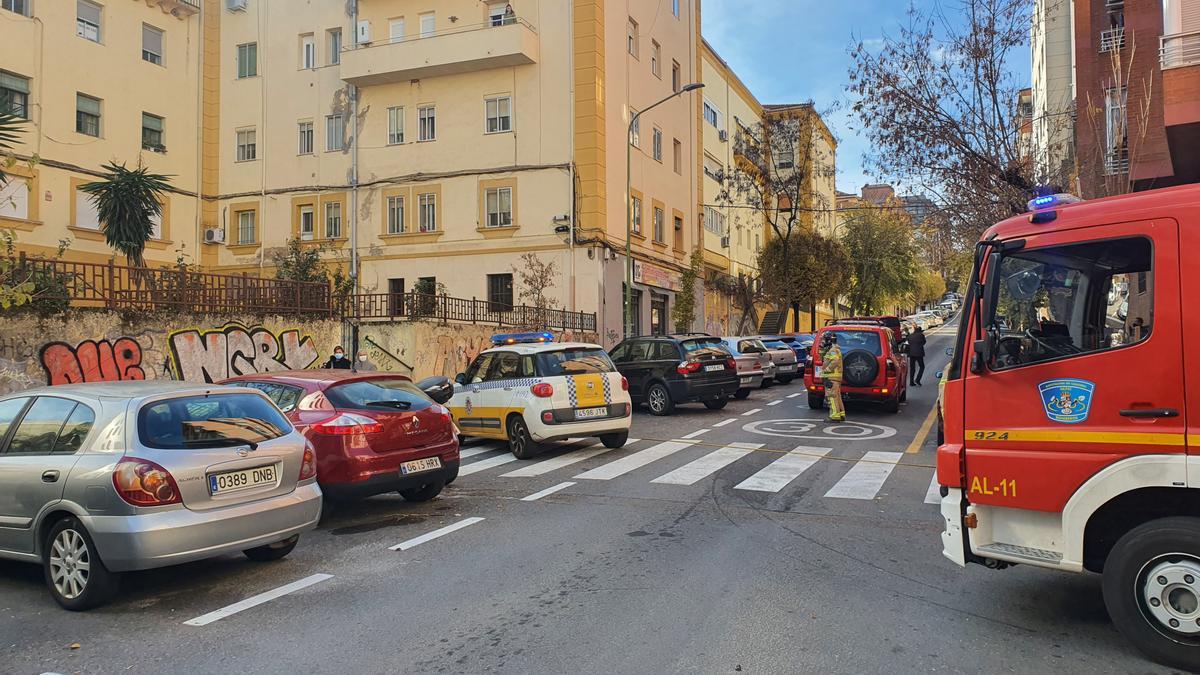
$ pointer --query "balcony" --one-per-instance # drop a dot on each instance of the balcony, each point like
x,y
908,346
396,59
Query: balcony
x,y
1116,161
1179,50
450,52
1112,40
180,9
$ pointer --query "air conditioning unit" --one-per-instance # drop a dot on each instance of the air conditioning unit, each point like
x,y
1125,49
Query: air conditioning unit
x,y
214,235
724,135
364,32
235,5
725,241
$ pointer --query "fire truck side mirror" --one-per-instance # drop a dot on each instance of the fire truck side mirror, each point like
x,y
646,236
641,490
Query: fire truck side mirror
x,y
979,356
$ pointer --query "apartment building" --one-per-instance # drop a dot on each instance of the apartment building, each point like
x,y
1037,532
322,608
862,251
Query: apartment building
x,y
68,67
1052,48
1138,97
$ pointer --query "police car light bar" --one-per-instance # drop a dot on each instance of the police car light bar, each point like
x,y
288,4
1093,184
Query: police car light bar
x,y
521,338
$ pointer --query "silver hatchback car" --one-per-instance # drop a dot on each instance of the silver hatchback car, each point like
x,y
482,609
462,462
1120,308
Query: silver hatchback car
x,y
98,479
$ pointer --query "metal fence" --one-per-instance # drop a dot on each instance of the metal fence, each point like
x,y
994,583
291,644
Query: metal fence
x,y
424,306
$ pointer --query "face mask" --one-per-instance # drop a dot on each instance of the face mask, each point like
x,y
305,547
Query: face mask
x,y
339,355
363,358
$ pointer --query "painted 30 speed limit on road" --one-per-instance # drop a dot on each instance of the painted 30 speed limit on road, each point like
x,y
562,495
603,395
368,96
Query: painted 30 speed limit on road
x,y
820,429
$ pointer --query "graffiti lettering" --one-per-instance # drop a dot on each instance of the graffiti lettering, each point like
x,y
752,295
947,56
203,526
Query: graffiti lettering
x,y
235,349
92,361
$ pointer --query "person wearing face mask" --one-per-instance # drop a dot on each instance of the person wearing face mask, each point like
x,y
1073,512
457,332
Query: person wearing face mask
x,y
364,364
338,360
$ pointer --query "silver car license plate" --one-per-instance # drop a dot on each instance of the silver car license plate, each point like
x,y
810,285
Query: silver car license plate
x,y
747,380
419,465
233,481
590,413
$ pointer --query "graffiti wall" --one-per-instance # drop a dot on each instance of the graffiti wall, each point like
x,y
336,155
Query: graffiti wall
x,y
99,346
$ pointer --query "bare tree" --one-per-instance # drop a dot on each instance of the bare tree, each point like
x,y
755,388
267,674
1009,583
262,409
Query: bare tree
x,y
1117,140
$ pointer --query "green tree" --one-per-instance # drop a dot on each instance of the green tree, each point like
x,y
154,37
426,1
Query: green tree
x,y
306,262
882,257
684,312
803,268
10,128
127,202
928,286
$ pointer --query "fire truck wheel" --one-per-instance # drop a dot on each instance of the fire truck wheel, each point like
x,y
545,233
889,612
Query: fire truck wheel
x,y
1152,590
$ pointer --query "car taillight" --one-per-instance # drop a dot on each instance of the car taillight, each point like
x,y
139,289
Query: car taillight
x,y
542,390
624,383
686,367
346,424
308,465
141,482
731,364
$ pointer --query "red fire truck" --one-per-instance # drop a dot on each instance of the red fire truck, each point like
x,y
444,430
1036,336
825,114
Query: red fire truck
x,y
1068,437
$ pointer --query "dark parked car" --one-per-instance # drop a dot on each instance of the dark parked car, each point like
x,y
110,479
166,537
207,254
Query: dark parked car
x,y
373,432
801,343
666,370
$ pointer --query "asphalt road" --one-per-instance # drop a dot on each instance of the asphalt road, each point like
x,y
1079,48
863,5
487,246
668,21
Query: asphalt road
x,y
795,551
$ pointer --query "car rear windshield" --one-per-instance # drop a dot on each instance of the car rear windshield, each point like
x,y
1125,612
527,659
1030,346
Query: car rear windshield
x,y
859,340
382,395
775,344
697,344
574,362
212,421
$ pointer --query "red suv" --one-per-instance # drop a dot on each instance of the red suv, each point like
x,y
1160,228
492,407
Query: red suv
x,y
373,433
873,367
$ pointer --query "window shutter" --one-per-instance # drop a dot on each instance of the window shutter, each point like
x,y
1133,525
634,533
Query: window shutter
x,y
152,39
88,12
13,82
87,104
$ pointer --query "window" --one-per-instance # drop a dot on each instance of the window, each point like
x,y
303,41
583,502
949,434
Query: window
x,y
247,60
284,397
479,368
636,303
304,144
675,8
501,14
635,129
39,429
308,52
152,45
156,226
660,234
499,114
247,145
87,215
637,215
427,212
711,114
500,292
678,233
307,224
1116,151
378,395
395,215
395,125
333,220
658,326
1051,304
396,29
658,153
714,221
713,168
19,6
632,37
87,115
655,58
14,94
87,20
428,24
333,40
212,421
573,361
74,431
499,207
152,132
676,76
678,156
395,297
335,129
14,198
427,123
246,233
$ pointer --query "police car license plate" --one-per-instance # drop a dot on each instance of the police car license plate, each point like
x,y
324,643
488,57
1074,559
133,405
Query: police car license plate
x,y
233,481
710,369
590,413
419,465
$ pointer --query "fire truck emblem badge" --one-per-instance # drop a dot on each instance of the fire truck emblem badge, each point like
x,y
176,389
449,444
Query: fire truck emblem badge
x,y
1067,401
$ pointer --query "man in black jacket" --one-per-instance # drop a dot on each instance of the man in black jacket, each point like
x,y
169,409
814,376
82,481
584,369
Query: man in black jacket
x,y
916,356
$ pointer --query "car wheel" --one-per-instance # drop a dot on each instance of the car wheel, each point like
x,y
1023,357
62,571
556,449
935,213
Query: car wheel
x,y
816,402
276,551
658,399
519,441
424,493
742,394
615,441
766,383
892,405
1152,590
451,474
786,379
76,576
716,404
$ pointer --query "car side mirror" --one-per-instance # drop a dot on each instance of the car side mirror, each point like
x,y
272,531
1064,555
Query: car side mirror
x,y
461,378
940,374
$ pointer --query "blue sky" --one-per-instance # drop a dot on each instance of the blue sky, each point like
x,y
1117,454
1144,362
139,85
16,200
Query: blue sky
x,y
791,51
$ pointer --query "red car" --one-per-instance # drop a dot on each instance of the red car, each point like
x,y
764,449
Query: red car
x,y
373,432
873,367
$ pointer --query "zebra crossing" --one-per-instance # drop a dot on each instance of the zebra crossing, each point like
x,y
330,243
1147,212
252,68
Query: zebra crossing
x,y
863,478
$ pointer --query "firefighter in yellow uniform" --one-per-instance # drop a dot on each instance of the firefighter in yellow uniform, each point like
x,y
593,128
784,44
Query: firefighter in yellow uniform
x,y
831,371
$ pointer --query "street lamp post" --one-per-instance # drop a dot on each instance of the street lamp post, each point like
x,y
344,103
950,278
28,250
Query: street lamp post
x,y
629,202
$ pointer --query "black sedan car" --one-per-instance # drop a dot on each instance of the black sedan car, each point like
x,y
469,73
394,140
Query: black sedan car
x,y
670,369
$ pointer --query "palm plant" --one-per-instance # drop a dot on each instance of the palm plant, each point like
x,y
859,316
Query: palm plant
x,y
10,127
127,202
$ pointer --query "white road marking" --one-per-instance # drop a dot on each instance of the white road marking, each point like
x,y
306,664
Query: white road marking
x,y
751,412
776,402
556,463
256,600
722,423
794,395
714,461
548,491
637,460
776,475
479,450
485,464
934,494
430,536
866,477
698,432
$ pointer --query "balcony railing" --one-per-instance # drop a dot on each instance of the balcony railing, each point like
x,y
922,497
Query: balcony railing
x,y
1112,39
1179,49
177,8
462,49
423,306
1116,161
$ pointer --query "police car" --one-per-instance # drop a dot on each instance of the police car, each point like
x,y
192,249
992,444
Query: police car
x,y
529,390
